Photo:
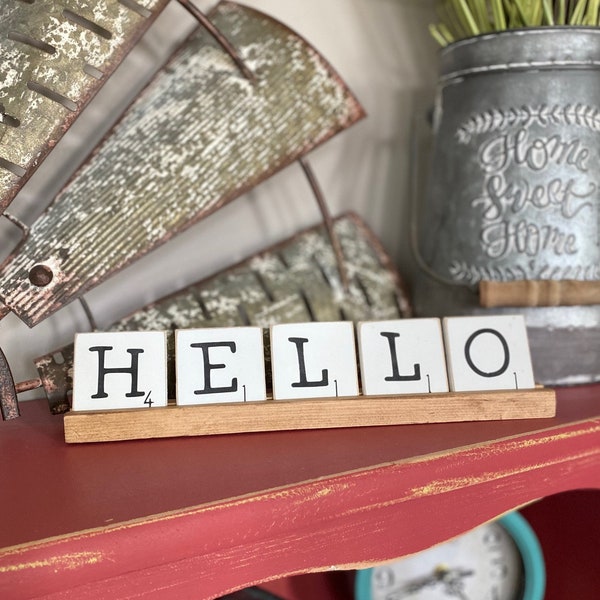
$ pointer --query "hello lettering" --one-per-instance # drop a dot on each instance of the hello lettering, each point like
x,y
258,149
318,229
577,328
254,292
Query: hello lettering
x,y
116,370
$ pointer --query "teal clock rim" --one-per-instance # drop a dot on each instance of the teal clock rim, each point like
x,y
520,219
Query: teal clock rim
x,y
527,543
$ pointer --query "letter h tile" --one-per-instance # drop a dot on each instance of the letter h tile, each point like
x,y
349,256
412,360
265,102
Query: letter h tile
x,y
117,370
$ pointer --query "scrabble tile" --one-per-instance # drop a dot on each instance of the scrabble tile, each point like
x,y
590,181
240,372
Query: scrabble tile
x,y
488,353
313,360
404,356
220,364
114,370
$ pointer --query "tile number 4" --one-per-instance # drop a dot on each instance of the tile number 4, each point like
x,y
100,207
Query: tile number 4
x,y
118,370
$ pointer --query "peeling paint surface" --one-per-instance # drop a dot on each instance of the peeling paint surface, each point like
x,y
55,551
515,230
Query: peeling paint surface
x,y
199,136
40,45
58,563
445,486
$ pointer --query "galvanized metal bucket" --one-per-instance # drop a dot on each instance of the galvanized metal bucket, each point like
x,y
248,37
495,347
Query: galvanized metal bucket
x,y
514,182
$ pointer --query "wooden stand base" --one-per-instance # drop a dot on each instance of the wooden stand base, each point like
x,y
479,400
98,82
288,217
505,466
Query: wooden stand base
x,y
322,413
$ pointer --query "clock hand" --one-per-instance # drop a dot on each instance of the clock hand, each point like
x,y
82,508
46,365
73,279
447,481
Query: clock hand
x,y
441,574
412,587
454,582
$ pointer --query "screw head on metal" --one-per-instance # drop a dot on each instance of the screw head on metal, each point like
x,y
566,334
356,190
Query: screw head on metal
x,y
41,275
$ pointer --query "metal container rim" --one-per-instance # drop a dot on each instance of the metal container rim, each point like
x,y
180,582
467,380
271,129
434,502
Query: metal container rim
x,y
518,32
524,49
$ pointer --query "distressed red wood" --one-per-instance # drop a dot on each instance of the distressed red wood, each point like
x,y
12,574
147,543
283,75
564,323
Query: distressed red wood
x,y
568,530
199,517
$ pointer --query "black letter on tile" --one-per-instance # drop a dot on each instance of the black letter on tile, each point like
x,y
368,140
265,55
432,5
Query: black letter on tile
x,y
208,367
302,366
395,376
470,362
131,370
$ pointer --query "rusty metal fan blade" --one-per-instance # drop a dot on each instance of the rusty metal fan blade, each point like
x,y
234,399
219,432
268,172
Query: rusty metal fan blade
x,y
9,407
199,136
297,280
54,56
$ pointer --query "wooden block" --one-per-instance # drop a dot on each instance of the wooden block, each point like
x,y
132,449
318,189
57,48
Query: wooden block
x,y
220,364
313,360
547,292
488,353
174,421
116,370
403,356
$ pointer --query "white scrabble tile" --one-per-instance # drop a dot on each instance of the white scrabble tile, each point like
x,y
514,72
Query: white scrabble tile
x,y
313,360
114,370
220,364
488,353
404,356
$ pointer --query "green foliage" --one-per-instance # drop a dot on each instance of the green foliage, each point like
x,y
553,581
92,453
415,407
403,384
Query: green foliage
x,y
459,19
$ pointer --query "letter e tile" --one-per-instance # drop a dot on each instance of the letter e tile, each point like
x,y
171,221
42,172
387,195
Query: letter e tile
x,y
116,370
404,356
488,353
313,360
220,364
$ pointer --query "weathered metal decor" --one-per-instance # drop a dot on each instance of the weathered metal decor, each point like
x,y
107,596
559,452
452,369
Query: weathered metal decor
x,y
200,135
9,406
295,281
54,56
513,194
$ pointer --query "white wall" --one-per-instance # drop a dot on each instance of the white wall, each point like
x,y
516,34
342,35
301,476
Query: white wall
x,y
383,51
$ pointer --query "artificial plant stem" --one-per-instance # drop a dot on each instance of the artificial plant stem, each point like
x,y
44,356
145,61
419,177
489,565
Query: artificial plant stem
x,y
479,10
449,16
512,13
467,17
578,13
446,33
537,13
446,17
459,19
524,14
455,22
435,31
498,15
548,14
592,12
561,19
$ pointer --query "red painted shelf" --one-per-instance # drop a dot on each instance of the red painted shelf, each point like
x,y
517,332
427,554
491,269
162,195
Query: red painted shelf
x,y
198,517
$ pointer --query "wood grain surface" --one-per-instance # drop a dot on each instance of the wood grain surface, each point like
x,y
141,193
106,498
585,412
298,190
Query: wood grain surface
x,y
322,413
549,292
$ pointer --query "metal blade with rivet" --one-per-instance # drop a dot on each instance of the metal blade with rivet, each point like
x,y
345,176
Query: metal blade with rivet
x,y
200,135
295,281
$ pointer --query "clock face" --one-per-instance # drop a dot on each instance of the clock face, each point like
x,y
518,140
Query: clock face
x,y
483,564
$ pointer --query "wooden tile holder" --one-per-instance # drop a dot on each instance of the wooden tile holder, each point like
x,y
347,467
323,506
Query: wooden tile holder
x,y
321,413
